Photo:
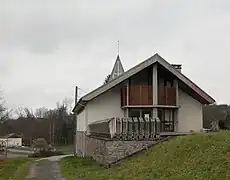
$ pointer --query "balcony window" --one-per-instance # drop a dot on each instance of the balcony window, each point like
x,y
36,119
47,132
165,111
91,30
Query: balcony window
x,y
144,113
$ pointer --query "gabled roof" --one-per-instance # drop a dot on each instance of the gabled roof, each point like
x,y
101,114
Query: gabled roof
x,y
117,69
12,135
150,61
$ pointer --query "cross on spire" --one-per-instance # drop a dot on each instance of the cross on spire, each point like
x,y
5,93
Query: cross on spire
x,y
118,47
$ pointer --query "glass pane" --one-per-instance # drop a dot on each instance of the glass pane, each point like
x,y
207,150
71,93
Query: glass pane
x,y
146,113
134,112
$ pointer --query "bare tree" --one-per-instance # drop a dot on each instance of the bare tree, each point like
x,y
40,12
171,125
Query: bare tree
x,y
24,112
29,113
67,102
41,112
4,113
20,112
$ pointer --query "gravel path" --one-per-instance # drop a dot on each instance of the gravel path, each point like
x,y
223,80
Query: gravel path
x,y
45,169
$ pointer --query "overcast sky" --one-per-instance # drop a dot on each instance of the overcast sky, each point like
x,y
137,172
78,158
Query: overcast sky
x,y
49,46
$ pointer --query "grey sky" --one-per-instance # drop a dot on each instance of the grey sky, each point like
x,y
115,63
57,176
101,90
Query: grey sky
x,y
49,46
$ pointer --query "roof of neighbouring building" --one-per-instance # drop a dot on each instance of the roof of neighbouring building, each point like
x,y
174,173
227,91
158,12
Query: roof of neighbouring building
x,y
11,135
148,62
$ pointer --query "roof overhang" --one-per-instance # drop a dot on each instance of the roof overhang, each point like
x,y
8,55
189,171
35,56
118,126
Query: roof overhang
x,y
150,61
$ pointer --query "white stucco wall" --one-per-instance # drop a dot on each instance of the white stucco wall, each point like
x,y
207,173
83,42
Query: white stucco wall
x,y
105,106
81,121
190,115
12,142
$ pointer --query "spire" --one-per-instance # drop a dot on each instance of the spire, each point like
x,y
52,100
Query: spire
x,y
117,69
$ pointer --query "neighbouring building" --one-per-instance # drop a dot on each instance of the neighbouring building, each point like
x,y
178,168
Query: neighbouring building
x,y
12,140
153,88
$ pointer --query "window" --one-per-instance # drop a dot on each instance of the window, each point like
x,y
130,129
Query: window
x,y
146,113
140,112
134,112
168,83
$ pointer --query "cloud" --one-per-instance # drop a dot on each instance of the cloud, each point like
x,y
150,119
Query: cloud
x,y
48,47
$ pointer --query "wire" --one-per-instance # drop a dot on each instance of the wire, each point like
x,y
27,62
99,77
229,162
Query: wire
x,y
82,89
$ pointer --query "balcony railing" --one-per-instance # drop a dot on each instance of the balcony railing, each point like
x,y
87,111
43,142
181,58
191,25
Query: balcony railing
x,y
126,128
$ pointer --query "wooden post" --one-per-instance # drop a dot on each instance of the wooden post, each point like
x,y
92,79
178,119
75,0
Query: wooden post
x,y
127,98
50,133
176,111
155,89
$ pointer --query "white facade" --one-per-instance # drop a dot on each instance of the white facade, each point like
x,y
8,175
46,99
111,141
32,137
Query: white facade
x,y
190,115
12,142
105,106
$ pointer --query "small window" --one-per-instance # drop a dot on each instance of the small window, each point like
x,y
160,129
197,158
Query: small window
x,y
146,113
140,112
134,113
168,83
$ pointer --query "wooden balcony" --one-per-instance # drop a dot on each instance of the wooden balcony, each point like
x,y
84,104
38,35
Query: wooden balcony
x,y
167,96
142,95
138,95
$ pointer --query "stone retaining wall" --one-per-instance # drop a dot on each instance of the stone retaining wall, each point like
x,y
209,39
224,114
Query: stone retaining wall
x,y
118,150
106,151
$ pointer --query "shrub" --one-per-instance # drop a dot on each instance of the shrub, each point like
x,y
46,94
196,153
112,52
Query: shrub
x,y
2,146
40,144
45,153
223,126
42,149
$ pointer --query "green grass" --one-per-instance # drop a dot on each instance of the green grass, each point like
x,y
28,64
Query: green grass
x,y
24,148
14,169
19,153
196,157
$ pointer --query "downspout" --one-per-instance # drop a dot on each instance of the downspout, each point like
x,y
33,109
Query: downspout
x,y
85,135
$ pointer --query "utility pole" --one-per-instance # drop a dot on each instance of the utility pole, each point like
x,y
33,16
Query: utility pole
x,y
76,94
53,131
75,115
50,132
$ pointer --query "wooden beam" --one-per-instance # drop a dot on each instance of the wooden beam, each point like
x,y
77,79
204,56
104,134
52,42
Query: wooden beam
x,y
151,106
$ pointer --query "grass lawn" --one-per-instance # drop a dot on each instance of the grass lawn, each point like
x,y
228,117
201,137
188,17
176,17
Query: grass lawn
x,y
24,148
14,169
19,153
196,157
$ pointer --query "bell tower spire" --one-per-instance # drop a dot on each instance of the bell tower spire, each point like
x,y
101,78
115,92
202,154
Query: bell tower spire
x,y
117,68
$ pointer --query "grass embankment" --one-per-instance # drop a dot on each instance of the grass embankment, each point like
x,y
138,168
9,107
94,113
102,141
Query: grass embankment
x,y
14,169
196,157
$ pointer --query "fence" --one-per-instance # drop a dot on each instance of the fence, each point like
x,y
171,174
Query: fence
x,y
126,128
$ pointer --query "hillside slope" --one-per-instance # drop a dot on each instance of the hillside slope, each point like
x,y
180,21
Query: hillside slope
x,y
196,157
